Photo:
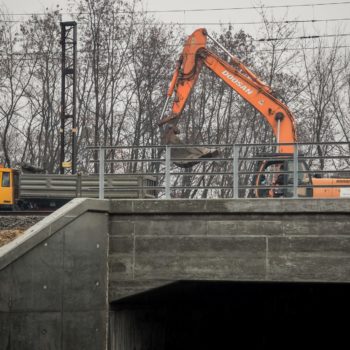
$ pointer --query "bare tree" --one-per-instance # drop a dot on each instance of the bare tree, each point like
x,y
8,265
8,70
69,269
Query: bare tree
x,y
42,117
151,65
106,27
17,68
324,69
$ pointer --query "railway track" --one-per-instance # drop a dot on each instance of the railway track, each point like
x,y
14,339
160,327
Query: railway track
x,y
26,212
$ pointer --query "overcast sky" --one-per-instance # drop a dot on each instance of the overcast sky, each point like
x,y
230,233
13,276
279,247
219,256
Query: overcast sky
x,y
233,16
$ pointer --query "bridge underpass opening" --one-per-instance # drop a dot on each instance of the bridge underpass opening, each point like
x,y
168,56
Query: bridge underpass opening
x,y
235,315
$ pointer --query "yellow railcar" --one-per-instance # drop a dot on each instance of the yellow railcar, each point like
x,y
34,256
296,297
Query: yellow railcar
x,y
9,187
50,191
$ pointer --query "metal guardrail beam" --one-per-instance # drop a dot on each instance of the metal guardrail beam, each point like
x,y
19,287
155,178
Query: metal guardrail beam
x,y
215,145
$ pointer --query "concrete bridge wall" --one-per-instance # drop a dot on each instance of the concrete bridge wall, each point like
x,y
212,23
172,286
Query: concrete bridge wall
x,y
59,279
157,242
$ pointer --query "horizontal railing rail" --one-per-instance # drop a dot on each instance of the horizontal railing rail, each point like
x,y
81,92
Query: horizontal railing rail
x,y
234,172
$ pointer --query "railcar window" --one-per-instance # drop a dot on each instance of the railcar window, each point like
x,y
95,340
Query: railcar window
x,y
5,180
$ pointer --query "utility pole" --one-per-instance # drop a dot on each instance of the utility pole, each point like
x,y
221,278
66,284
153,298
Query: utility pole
x,y
68,130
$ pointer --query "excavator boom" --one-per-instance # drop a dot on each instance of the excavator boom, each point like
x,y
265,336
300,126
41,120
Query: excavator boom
x,y
194,56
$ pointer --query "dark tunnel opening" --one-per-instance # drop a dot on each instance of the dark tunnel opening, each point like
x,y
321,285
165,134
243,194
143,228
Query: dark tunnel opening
x,y
232,315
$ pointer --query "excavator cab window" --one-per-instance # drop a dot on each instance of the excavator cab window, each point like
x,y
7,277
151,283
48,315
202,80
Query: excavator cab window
x,y
270,181
275,179
304,179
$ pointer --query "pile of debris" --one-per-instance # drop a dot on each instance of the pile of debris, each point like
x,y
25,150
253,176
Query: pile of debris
x,y
7,236
13,226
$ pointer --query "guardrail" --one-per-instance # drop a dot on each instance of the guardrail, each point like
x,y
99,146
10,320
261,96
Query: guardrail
x,y
235,172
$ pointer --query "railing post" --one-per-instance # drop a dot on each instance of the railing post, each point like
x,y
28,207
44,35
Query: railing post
x,y
167,171
235,171
101,177
295,171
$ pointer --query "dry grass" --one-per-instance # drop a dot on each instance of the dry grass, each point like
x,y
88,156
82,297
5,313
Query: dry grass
x,y
7,236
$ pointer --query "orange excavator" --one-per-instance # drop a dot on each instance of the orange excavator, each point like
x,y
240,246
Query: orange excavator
x,y
194,56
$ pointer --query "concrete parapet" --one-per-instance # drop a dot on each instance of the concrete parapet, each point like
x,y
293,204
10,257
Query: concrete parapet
x,y
233,240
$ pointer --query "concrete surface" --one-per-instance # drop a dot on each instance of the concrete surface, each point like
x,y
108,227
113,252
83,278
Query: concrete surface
x,y
54,282
56,286
157,242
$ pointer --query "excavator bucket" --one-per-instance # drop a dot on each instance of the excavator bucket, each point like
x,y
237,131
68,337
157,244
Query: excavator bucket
x,y
185,157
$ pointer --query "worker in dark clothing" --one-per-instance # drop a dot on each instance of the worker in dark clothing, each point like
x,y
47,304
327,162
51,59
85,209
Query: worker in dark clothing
x,y
280,181
263,192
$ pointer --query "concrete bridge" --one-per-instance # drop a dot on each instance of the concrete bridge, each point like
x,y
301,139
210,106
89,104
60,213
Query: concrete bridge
x,y
157,274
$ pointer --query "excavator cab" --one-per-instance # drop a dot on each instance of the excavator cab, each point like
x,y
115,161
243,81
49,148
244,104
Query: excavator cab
x,y
274,177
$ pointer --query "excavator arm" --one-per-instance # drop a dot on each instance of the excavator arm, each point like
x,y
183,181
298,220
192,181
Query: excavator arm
x,y
195,55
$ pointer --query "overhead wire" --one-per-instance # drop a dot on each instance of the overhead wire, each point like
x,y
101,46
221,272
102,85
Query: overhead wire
x,y
241,23
316,4
304,37
41,53
251,7
219,23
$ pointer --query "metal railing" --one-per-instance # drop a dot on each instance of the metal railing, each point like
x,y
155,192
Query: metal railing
x,y
235,173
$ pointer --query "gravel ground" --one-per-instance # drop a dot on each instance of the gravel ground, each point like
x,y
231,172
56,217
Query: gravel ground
x,y
13,226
